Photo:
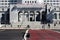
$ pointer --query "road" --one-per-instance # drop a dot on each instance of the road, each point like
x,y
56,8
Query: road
x,y
11,34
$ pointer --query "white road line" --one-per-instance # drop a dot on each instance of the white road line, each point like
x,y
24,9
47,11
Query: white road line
x,y
26,34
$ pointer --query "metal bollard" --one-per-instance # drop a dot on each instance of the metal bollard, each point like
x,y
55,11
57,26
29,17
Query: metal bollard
x,y
48,25
11,25
28,26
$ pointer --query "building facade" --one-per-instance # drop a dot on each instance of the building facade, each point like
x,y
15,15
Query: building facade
x,y
4,6
22,13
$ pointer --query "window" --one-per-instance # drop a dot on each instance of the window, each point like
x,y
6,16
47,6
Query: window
x,y
54,1
49,10
37,16
59,22
57,3
35,1
47,0
50,3
20,14
5,3
44,0
8,3
32,16
10,0
2,3
50,0
2,0
2,9
25,1
47,3
5,0
32,1
57,0
15,0
59,16
6,6
28,1
49,25
55,8
54,24
55,16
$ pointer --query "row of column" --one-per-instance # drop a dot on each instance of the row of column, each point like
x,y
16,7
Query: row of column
x,y
29,14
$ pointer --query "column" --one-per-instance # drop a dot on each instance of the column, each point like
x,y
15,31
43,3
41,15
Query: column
x,y
0,17
29,15
23,16
18,17
40,15
57,16
35,15
26,16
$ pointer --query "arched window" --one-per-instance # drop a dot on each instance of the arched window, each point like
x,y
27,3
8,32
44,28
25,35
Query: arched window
x,y
55,16
59,16
20,13
38,16
35,1
32,16
32,1
28,1
25,1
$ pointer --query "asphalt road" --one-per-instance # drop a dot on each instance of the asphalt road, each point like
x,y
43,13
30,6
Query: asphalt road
x,y
11,34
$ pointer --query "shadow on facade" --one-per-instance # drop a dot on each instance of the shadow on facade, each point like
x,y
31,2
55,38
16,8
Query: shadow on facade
x,y
5,18
44,18
38,16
